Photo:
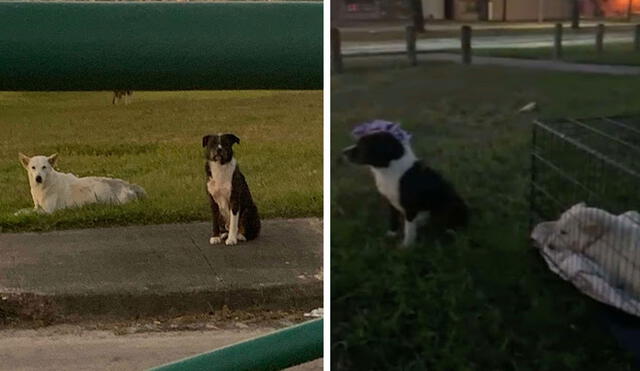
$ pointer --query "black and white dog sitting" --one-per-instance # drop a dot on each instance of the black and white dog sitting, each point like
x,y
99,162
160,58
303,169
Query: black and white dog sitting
x,y
413,190
235,216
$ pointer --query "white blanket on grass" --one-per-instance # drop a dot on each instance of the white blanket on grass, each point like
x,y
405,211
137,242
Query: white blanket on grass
x,y
589,273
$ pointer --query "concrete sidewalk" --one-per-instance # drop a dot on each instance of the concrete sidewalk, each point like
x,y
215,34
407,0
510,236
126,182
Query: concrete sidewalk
x,y
149,270
444,44
539,64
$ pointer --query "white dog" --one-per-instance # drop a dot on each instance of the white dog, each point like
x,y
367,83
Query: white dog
x,y
611,241
53,191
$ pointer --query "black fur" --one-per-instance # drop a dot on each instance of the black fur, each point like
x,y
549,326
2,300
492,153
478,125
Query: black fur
x,y
424,189
219,149
420,187
241,201
377,150
223,154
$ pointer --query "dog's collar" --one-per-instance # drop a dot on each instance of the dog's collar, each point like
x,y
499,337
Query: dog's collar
x,y
381,126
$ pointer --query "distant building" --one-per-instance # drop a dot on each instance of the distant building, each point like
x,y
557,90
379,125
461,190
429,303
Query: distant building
x,y
369,9
497,10
462,10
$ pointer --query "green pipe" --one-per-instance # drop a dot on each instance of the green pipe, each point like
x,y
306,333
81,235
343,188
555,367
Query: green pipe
x,y
281,349
160,46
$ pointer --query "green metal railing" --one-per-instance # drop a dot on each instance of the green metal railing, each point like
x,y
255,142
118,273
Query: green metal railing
x,y
281,349
160,46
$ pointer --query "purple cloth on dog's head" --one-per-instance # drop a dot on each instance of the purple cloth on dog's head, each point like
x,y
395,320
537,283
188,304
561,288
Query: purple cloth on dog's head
x,y
381,126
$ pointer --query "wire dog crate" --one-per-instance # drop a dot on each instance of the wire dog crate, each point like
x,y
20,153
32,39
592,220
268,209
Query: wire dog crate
x,y
596,161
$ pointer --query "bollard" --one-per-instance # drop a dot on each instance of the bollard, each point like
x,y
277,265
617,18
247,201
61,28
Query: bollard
x,y
411,45
600,38
465,41
636,38
557,49
336,51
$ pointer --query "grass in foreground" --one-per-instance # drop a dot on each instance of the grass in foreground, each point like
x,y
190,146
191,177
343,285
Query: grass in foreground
x,y
156,142
615,54
487,302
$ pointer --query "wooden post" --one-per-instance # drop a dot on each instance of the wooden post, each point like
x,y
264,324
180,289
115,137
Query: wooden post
x,y
575,14
504,10
465,42
629,10
600,38
418,15
336,52
636,38
557,50
411,45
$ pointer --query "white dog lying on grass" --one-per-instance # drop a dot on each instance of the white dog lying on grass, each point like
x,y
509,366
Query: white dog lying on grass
x,y
53,191
610,242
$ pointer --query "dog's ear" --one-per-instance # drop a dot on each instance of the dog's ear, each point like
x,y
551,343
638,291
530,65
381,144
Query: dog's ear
x,y
52,159
205,140
233,138
24,159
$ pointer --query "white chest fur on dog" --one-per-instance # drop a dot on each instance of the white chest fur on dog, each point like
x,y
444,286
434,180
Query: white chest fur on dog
x,y
388,178
219,185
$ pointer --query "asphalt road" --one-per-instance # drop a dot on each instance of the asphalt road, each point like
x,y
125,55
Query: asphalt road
x,y
482,42
72,348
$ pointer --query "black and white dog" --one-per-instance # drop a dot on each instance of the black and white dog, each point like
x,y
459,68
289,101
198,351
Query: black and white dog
x,y
235,216
413,190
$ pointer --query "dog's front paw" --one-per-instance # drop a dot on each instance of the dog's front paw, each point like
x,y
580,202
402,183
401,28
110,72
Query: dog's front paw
x,y
406,243
231,241
215,240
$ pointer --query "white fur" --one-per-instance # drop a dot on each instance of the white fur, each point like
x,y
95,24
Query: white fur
x,y
388,183
410,233
232,239
388,178
219,186
411,228
62,190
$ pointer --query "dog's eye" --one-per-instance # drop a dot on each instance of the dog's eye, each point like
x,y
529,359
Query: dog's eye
x,y
33,167
44,167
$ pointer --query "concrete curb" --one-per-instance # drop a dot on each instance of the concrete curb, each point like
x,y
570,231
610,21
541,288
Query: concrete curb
x,y
128,272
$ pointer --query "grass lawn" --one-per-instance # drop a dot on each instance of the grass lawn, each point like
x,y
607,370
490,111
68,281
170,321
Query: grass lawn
x,y
618,53
488,301
156,142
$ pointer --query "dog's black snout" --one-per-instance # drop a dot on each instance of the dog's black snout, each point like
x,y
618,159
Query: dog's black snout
x,y
39,179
